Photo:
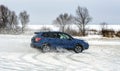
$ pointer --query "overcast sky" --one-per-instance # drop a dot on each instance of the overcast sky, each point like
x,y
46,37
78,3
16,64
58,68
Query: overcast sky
x,y
45,11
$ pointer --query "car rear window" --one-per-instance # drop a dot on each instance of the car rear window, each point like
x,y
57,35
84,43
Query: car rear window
x,y
50,35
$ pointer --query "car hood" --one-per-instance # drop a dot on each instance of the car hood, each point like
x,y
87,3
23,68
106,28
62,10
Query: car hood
x,y
78,40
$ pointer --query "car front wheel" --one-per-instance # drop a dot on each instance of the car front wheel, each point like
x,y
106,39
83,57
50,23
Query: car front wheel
x,y
78,49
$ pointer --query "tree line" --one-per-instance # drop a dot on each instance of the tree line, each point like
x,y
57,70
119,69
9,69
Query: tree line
x,y
81,19
9,21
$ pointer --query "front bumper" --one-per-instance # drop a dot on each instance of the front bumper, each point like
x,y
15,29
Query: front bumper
x,y
86,45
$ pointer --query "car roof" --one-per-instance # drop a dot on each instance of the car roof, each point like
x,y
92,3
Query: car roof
x,y
48,32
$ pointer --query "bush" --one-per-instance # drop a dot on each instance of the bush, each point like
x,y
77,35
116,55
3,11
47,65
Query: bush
x,y
118,34
72,32
15,31
92,32
108,33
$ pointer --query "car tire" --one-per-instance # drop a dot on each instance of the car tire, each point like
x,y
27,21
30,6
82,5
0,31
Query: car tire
x,y
46,48
78,49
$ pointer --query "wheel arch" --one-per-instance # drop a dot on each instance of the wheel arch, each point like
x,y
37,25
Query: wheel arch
x,y
78,44
46,43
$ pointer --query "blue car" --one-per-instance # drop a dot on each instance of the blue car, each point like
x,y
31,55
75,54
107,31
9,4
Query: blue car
x,y
47,41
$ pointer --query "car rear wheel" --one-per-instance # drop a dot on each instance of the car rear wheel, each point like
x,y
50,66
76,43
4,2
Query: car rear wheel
x,y
78,49
46,48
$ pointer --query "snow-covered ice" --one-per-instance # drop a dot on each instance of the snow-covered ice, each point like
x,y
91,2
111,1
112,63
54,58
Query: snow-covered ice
x,y
17,55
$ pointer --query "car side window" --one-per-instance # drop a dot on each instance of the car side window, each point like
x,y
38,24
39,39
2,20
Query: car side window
x,y
53,35
45,35
64,36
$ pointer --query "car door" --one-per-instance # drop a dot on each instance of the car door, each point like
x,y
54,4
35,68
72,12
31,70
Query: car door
x,y
66,40
54,39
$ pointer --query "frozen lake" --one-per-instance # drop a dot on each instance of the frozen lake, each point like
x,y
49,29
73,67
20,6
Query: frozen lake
x,y
17,55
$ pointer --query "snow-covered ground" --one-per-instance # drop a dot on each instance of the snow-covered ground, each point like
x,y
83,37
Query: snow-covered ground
x,y
17,55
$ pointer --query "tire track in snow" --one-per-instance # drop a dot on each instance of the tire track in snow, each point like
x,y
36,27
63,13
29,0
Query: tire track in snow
x,y
64,59
31,59
82,59
10,64
71,63
22,63
50,61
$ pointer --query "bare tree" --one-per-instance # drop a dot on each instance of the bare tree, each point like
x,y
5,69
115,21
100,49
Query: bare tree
x,y
45,29
82,19
62,20
24,18
104,25
12,20
4,11
8,20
